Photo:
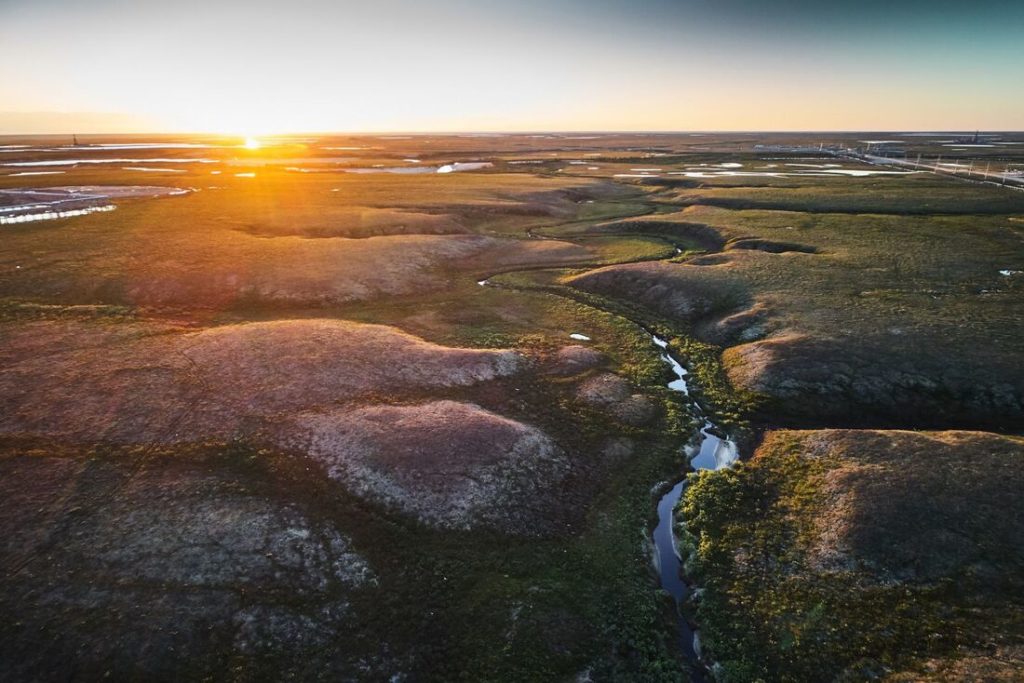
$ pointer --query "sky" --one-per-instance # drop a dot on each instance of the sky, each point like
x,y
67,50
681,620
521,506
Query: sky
x,y
255,67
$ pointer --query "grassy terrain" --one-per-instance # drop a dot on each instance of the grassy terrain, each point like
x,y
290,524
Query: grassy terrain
x,y
590,584
916,194
162,364
881,306
117,294
851,555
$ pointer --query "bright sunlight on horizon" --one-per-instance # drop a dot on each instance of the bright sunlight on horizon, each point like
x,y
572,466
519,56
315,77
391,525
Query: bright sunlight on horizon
x,y
593,341
259,68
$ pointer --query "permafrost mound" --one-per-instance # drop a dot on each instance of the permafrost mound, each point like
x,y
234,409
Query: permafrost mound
x,y
448,464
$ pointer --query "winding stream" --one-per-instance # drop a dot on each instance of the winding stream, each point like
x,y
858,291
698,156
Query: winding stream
x,y
712,453
709,452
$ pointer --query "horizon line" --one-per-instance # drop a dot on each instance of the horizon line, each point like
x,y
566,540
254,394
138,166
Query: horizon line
x,y
529,132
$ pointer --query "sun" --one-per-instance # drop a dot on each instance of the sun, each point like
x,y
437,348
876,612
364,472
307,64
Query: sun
x,y
252,143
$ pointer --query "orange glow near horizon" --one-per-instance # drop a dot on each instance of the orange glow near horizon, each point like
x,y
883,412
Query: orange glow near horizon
x,y
453,66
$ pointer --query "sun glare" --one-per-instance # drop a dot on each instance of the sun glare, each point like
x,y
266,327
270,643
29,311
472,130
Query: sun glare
x,y
252,143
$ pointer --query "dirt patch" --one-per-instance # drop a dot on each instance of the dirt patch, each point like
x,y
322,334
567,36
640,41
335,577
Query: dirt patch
x,y
120,571
142,383
747,325
289,271
618,397
231,269
448,464
294,363
315,272
572,360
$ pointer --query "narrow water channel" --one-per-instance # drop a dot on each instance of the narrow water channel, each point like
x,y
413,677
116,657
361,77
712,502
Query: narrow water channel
x,y
710,453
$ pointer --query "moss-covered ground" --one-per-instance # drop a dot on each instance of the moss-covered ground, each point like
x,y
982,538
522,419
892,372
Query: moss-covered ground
x,y
909,263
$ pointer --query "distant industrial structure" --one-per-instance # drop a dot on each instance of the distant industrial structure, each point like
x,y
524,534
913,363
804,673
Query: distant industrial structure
x,y
978,138
894,153
966,169
794,149
886,148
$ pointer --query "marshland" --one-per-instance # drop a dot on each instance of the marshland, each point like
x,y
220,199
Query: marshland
x,y
280,414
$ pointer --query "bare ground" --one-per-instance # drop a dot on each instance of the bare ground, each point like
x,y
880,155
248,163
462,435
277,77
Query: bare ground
x,y
159,384
117,570
448,464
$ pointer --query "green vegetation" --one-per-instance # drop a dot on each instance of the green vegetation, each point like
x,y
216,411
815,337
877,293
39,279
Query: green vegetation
x,y
923,194
160,362
824,558
816,333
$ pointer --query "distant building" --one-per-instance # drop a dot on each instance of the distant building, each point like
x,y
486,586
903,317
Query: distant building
x,y
978,138
886,149
801,149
